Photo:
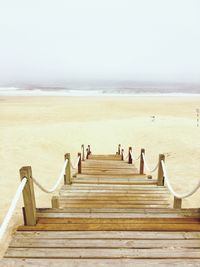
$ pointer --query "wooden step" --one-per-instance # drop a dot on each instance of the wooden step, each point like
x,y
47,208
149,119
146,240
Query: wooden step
x,y
132,235
105,157
108,181
109,176
114,227
46,262
169,211
88,253
110,172
102,243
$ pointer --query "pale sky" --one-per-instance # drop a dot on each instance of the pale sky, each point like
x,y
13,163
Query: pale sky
x,y
53,41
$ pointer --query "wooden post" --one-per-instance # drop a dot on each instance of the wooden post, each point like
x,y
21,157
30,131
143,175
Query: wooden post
x,y
142,161
67,176
28,196
122,154
79,163
119,149
130,161
83,152
160,170
55,202
89,151
177,203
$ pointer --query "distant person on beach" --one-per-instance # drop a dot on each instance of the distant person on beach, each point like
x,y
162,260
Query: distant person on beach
x,y
153,118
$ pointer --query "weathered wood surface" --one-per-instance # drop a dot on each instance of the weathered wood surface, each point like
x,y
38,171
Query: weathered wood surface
x,y
185,212
76,253
102,243
108,235
114,227
117,181
105,157
109,216
99,262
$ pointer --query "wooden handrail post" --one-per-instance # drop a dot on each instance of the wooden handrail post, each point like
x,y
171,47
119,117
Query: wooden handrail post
x,y
160,170
89,151
142,161
83,152
122,154
79,163
87,154
67,176
28,196
119,149
55,202
130,161
177,203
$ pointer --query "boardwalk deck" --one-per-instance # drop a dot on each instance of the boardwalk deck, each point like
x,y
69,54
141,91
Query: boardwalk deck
x,y
109,216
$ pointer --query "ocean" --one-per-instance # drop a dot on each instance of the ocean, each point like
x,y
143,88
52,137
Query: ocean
x,y
104,90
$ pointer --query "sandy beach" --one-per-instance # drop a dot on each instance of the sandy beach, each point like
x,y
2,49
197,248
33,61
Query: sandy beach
x,y
37,131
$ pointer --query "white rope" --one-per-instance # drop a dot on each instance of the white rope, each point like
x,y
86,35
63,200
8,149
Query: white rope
x,y
74,166
12,207
133,158
60,177
170,187
146,165
138,157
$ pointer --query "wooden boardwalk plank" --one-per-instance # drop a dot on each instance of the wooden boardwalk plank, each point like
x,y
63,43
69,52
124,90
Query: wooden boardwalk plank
x,y
99,262
138,235
118,220
102,243
184,253
113,227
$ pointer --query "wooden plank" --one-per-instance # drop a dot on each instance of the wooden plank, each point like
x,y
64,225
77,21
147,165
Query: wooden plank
x,y
149,182
108,235
113,227
114,180
98,262
111,176
102,243
104,157
114,197
113,215
102,253
142,211
117,187
114,167
110,172
103,205
118,220
117,201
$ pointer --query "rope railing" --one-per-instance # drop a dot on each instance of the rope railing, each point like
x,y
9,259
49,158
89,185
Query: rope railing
x,y
146,165
75,166
12,207
133,158
172,191
58,180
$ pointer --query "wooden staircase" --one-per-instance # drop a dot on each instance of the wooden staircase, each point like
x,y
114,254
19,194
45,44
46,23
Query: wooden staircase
x,y
110,215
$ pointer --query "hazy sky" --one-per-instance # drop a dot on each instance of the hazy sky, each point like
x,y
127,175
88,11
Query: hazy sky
x,y
58,40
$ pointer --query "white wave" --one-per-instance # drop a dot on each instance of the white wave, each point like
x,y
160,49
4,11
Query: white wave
x,y
15,91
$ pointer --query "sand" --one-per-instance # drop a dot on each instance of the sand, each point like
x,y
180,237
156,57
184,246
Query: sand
x,y
37,131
